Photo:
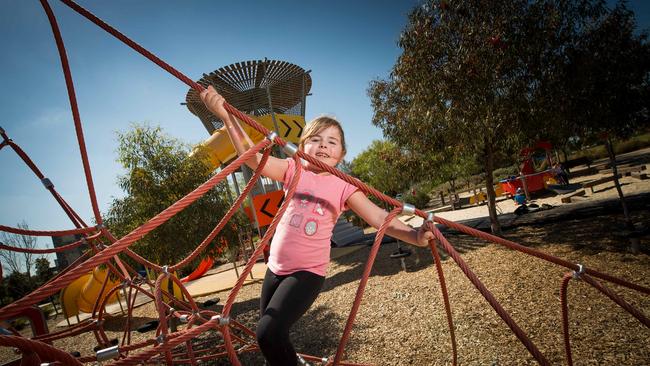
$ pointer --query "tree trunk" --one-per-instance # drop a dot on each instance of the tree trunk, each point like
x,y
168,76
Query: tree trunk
x,y
566,158
489,183
634,243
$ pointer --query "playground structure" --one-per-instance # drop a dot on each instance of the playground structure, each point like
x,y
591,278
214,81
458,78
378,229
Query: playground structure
x,y
182,321
274,94
530,179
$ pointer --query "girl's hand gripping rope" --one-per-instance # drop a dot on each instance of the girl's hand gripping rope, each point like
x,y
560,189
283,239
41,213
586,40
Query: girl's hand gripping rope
x,y
423,236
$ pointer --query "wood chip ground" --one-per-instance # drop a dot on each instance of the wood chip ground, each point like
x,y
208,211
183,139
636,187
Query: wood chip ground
x,y
402,319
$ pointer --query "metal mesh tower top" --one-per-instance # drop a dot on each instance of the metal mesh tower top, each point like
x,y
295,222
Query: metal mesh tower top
x,y
253,87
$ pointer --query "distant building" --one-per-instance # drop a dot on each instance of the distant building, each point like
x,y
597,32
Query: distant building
x,y
64,258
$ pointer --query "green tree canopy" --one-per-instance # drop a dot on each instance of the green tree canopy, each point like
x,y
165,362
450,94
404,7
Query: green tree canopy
x,y
481,78
43,270
384,166
607,78
159,171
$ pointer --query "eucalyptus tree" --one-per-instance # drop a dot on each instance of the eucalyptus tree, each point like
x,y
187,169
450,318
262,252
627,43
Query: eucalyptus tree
x,y
159,171
462,84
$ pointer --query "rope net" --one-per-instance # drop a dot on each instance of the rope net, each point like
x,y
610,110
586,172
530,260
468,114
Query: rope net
x,y
186,333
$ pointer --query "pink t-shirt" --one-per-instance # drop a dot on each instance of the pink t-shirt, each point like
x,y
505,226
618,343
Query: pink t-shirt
x,y
302,238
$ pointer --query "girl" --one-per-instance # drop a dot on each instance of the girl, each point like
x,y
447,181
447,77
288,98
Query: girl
x,y
300,248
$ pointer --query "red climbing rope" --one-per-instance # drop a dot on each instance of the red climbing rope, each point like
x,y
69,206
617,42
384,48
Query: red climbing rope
x,y
60,249
487,295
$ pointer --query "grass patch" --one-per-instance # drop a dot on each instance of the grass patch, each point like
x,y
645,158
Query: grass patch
x,y
620,147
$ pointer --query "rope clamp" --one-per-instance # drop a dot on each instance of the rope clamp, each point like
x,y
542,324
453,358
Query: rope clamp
x,y
184,318
222,320
99,226
107,353
165,270
430,217
160,339
290,149
408,209
581,270
271,136
47,183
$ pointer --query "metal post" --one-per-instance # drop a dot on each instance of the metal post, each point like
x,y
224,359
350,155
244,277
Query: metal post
x,y
250,202
275,123
525,185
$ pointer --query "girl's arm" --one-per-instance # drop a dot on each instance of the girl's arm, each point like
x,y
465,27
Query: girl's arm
x,y
275,168
375,216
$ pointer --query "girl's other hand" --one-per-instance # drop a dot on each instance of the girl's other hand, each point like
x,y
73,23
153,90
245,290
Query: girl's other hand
x,y
214,102
424,236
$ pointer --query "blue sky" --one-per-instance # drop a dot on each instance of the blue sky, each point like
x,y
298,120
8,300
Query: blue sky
x,y
346,44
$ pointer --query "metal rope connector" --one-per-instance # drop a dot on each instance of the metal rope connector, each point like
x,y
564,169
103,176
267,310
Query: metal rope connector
x,y
301,361
581,270
185,318
47,183
408,209
165,270
271,136
99,226
222,320
107,353
430,217
290,149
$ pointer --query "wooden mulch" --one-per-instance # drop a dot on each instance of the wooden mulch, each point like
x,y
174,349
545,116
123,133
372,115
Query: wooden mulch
x,y
402,319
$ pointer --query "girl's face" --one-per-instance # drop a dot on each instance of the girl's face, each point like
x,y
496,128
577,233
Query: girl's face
x,y
325,146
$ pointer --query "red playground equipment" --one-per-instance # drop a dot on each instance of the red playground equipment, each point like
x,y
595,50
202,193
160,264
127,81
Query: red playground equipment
x,y
529,179
187,334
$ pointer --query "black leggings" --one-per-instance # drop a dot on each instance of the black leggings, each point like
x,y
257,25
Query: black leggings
x,y
283,301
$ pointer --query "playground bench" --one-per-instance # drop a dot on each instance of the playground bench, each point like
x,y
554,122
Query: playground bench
x,y
577,193
625,171
596,182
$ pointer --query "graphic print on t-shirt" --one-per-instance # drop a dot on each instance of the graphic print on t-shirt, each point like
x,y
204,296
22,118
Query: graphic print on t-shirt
x,y
304,198
296,219
311,226
318,209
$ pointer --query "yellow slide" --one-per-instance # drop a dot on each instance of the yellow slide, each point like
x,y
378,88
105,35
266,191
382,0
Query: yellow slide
x,y
81,294
221,151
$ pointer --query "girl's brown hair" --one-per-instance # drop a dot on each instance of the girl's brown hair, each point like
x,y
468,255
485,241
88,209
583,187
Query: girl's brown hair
x,y
317,125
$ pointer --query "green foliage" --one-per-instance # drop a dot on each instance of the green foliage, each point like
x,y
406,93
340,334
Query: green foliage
x,y
159,172
19,284
606,79
383,166
417,197
477,80
43,270
621,147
